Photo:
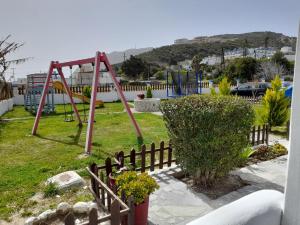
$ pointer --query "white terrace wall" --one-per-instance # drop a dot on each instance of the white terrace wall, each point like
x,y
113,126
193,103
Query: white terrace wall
x,y
6,105
106,96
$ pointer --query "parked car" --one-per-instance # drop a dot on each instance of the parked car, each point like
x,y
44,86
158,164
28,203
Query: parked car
x,y
256,90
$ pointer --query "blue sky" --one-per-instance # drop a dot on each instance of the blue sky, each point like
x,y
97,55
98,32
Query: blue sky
x,y
73,29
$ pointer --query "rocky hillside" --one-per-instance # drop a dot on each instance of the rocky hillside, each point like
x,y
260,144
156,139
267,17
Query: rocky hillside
x,y
205,46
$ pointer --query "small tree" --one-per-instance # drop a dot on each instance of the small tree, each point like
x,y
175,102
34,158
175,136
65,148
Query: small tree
x,y
224,86
134,67
209,133
87,90
149,92
275,104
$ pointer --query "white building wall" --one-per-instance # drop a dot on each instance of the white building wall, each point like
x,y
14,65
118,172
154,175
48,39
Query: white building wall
x,y
6,105
106,96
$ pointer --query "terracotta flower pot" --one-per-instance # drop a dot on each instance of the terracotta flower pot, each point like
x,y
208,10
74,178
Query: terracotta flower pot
x,y
141,213
141,96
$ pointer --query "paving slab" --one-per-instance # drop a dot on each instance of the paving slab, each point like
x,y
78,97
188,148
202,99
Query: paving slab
x,y
175,203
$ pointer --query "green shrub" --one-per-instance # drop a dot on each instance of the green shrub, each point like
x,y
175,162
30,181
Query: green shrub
x,y
51,190
224,86
159,75
149,92
275,105
87,90
279,149
245,155
138,186
208,133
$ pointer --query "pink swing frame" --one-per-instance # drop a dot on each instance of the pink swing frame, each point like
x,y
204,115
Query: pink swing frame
x,y
100,57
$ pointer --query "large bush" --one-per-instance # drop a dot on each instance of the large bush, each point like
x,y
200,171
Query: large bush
x,y
275,104
208,133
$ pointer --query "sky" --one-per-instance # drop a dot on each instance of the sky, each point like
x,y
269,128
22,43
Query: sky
x,y
63,30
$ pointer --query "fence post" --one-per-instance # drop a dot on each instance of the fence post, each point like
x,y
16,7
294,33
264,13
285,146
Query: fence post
x,y
95,186
93,217
263,133
143,158
170,150
253,135
152,157
161,154
108,166
130,217
115,213
70,219
102,189
132,159
258,135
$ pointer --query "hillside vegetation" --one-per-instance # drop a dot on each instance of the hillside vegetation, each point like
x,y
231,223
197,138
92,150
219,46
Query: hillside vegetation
x,y
205,46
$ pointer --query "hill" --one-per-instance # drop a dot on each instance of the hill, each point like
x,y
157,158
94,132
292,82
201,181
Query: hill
x,y
210,45
118,56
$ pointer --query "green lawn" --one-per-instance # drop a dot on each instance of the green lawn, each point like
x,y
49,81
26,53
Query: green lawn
x,y
27,161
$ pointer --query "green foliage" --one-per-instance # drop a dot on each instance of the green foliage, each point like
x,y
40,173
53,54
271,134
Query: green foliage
x,y
208,133
242,68
149,92
264,152
213,91
245,155
224,86
196,61
279,149
134,68
159,75
87,90
51,190
275,105
279,59
138,186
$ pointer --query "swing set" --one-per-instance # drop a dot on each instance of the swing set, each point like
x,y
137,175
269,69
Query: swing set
x,y
96,62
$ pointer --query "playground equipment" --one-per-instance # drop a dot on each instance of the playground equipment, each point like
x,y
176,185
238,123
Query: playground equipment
x,y
34,88
99,60
183,83
60,86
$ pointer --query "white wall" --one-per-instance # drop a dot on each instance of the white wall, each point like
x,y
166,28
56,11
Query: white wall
x,y
6,105
106,96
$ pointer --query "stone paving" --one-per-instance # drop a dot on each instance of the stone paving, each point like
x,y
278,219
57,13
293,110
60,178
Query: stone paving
x,y
174,203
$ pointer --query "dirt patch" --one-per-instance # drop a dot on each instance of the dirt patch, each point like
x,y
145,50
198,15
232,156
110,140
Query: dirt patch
x,y
222,187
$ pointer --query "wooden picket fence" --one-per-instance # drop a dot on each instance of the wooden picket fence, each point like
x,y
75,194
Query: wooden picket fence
x,y
118,212
154,158
259,135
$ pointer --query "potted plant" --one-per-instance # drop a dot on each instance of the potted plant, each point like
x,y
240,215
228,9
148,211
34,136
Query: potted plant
x,y
141,96
113,175
139,186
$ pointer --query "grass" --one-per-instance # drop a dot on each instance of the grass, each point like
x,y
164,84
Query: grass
x,y
27,161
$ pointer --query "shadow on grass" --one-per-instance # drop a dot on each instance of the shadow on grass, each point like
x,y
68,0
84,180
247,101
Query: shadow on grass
x,y
75,137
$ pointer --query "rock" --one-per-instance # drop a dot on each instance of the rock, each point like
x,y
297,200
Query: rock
x,y
77,221
81,207
92,205
66,180
48,214
31,220
63,208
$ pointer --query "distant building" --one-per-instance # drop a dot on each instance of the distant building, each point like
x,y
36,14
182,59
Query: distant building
x,y
212,60
181,41
287,50
186,64
84,76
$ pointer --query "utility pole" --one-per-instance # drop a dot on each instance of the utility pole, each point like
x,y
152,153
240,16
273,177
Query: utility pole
x,y
124,57
13,73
